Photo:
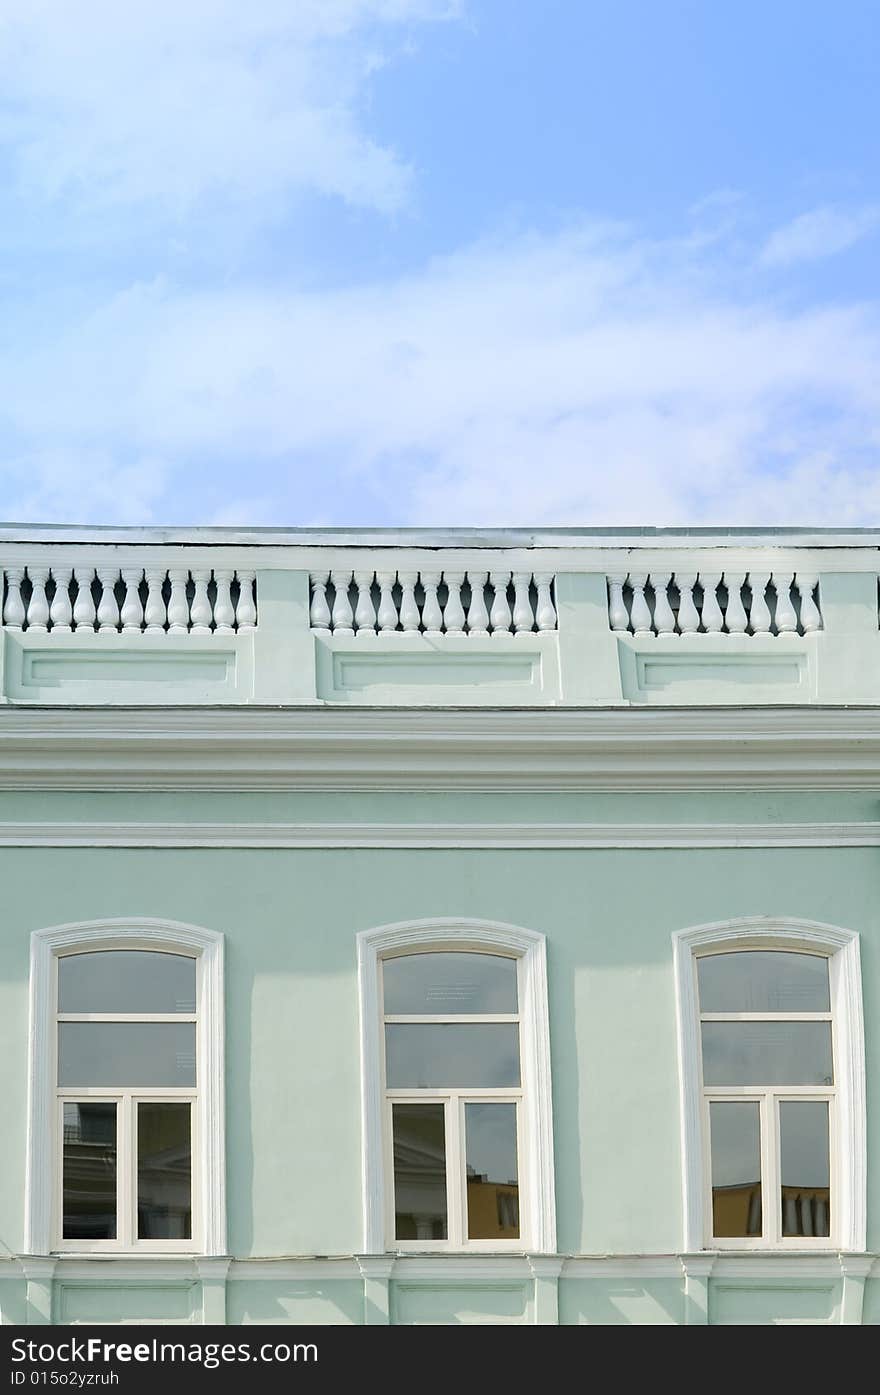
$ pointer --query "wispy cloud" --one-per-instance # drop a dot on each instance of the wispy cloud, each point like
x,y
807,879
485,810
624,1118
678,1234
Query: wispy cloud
x,y
592,376
161,105
823,232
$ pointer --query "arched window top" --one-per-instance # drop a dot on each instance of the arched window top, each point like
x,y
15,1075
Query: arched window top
x,y
771,1052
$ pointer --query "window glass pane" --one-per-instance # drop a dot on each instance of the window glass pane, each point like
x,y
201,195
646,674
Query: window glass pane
x,y
806,1167
164,1160
492,1183
438,1053
735,1134
126,980
89,1171
763,980
126,1053
446,984
767,1053
419,1171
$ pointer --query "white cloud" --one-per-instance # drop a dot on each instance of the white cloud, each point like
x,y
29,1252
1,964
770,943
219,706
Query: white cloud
x,y
823,232
165,103
589,377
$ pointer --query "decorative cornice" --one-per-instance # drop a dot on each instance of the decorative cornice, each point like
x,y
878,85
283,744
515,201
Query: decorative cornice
x,y
439,835
249,748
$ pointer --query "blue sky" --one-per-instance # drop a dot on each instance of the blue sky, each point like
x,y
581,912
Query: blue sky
x,y
386,262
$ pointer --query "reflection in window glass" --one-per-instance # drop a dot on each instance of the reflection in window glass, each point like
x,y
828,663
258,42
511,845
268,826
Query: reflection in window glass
x,y
89,1170
164,1162
463,1054
126,1053
806,1167
767,1053
492,1183
445,984
126,980
763,980
420,1207
735,1138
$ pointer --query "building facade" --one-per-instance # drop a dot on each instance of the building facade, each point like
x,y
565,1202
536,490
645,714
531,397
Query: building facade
x,y
439,927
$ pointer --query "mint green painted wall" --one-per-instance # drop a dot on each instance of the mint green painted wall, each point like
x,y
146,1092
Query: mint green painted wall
x,y
292,1045
611,1302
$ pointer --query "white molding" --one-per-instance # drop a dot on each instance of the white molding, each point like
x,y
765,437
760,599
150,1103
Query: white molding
x,y
439,835
846,989
539,1199
323,748
452,1267
210,1180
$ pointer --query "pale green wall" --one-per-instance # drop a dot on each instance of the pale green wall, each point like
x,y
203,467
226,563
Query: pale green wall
x,y
290,918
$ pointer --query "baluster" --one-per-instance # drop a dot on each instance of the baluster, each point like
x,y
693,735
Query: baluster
x,y
13,609
688,615
499,616
342,615
154,610
108,606
735,618
523,620
410,618
200,611
432,615
477,615
364,613
545,610
38,605
759,611
84,605
178,605
319,610
789,1215
806,1210
786,615
811,618
132,613
618,614
246,610
61,611
453,611
641,611
664,620
224,610
387,613
710,610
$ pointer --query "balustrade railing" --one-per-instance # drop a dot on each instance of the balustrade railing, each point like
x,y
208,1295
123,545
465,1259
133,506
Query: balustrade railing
x,y
675,603
437,603
100,599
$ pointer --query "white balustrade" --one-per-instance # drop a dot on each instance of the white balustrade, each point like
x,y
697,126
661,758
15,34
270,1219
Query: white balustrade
x,y
82,598
432,603
719,609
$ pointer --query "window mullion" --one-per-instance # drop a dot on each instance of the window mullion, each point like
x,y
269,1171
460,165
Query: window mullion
x,y
455,1169
772,1227
125,1228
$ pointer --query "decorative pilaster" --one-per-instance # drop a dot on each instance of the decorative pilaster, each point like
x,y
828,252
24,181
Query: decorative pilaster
x,y
39,1273
376,1273
854,1271
212,1273
696,1270
546,1270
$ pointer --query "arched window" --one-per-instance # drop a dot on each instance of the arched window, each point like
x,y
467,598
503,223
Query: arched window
x,y
456,1088
126,1113
773,1086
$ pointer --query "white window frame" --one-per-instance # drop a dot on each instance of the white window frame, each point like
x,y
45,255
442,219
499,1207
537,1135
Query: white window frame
x,y
534,1114
44,1147
847,1111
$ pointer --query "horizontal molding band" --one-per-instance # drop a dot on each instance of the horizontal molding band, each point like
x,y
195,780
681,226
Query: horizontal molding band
x,y
439,835
487,750
476,1269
